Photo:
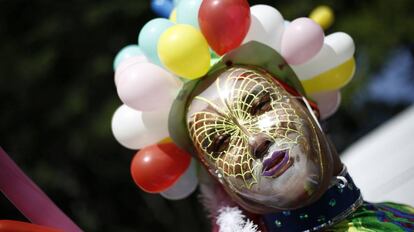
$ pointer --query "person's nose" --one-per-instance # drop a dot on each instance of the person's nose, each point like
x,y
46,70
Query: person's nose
x,y
259,145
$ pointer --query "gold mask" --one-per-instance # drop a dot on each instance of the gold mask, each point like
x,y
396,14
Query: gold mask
x,y
258,140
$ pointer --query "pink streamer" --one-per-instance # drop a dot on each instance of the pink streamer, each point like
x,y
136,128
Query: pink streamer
x,y
29,199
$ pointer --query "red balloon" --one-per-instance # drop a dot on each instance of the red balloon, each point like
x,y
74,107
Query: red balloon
x,y
157,167
224,23
17,226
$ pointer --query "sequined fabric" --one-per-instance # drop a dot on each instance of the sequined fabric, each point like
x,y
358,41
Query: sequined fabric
x,y
378,217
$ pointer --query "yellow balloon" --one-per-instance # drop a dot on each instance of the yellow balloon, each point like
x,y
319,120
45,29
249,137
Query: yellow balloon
x,y
184,51
165,140
173,15
323,15
332,79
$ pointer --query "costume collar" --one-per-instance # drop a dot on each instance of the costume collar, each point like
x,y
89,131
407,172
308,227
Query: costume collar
x,y
338,202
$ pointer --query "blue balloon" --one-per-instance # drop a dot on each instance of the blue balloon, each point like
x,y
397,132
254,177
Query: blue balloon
x,y
126,52
149,36
187,12
162,8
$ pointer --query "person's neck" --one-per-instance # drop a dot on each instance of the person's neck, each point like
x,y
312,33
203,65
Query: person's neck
x,y
340,200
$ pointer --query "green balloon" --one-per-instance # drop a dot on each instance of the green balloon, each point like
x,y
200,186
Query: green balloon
x,y
126,52
187,12
149,36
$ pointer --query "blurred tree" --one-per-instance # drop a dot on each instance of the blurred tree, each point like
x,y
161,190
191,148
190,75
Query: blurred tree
x,y
57,97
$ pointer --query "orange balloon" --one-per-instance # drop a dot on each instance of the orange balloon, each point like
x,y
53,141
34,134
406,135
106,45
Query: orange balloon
x,y
16,226
157,167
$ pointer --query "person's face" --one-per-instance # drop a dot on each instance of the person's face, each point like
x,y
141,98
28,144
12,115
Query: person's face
x,y
259,141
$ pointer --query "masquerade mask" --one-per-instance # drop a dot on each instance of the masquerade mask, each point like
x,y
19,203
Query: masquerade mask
x,y
257,138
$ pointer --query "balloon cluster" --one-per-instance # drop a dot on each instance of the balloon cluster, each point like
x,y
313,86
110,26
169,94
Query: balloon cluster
x,y
184,45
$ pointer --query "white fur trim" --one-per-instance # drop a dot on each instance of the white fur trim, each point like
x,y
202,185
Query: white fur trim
x,y
231,219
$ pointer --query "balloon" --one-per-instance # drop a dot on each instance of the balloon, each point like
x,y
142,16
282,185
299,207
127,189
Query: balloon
x,y
185,185
157,121
126,52
126,63
173,16
337,48
132,131
323,15
147,87
328,102
332,79
162,8
16,226
214,61
187,12
286,23
29,199
302,40
165,140
267,26
149,36
214,58
184,51
224,23
157,167
256,32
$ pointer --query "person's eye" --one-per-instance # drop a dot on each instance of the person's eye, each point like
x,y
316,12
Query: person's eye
x,y
261,105
219,143
250,97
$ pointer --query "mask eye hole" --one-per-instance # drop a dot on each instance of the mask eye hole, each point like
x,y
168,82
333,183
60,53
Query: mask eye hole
x,y
219,143
261,104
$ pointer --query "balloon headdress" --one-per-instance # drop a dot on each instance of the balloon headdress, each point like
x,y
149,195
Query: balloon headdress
x,y
156,78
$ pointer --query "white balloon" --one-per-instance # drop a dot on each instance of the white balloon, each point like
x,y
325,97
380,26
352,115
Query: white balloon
x,y
328,102
186,185
342,44
126,63
256,31
157,121
147,87
337,48
130,131
267,26
286,23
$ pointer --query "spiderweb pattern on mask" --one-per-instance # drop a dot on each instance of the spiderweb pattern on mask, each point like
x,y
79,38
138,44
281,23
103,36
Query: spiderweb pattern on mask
x,y
239,93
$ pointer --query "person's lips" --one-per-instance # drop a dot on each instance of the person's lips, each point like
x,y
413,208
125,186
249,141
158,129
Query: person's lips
x,y
276,164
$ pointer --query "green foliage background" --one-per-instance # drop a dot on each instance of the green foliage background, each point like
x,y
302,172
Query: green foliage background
x,y
57,97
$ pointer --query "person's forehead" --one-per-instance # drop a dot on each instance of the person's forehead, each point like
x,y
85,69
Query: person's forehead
x,y
227,82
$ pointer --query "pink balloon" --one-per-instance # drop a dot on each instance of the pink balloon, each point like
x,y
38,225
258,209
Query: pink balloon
x,y
147,87
302,39
126,63
328,102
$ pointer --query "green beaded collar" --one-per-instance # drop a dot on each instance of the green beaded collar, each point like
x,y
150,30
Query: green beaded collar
x,y
337,203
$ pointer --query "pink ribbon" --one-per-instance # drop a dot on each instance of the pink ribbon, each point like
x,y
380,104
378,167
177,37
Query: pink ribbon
x,y
29,199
